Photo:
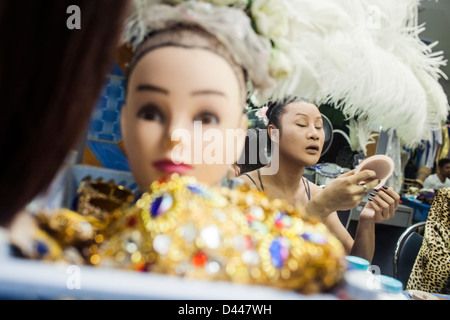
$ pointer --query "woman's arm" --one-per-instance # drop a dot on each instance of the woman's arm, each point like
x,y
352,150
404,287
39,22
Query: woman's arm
x,y
344,193
382,206
339,231
364,243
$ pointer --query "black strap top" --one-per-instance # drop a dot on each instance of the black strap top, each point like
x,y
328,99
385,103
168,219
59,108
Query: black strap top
x,y
306,184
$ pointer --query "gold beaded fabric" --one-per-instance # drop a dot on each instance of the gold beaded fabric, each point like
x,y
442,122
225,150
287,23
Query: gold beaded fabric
x,y
183,228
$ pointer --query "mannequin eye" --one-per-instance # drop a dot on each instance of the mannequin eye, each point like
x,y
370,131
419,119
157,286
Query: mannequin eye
x,y
150,113
207,118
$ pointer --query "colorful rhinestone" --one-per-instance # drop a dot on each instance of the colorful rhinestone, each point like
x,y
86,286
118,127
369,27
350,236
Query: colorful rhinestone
x,y
279,251
211,236
41,248
315,237
200,259
282,220
161,243
200,191
161,205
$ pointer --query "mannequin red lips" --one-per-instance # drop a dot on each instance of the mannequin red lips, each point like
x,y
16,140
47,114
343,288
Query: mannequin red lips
x,y
169,166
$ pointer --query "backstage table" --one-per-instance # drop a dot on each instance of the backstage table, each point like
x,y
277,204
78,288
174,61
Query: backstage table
x,y
30,279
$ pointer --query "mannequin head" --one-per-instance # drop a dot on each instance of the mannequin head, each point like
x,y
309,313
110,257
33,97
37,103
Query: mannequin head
x,y
300,135
185,96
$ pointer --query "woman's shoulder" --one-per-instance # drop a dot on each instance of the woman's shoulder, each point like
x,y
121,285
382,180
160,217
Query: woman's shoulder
x,y
315,189
253,173
247,176
251,179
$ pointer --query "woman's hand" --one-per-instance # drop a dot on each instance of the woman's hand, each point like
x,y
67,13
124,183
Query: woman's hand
x,y
382,204
348,190
343,193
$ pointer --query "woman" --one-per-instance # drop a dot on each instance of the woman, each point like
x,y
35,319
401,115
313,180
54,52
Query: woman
x,y
299,138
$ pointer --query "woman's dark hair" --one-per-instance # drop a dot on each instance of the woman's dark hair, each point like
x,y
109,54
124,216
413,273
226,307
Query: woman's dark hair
x,y
274,113
50,79
252,156
276,109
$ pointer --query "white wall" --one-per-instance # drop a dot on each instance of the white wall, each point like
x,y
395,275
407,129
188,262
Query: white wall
x,y
436,16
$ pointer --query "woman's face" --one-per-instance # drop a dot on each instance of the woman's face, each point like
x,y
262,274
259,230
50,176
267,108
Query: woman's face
x,y
183,114
302,135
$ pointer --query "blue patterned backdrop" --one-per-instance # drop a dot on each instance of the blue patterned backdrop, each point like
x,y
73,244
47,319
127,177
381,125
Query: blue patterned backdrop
x,y
104,129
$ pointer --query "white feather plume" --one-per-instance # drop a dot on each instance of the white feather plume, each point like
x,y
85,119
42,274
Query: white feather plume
x,y
360,135
363,56
366,57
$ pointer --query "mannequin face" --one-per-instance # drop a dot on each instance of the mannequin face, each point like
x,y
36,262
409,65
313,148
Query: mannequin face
x,y
301,136
183,114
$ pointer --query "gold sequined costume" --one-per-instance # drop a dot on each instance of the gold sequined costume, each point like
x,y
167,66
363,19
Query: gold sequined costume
x,y
184,228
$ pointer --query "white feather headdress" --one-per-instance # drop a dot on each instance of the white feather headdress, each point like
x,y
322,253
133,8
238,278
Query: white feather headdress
x,y
366,58
363,56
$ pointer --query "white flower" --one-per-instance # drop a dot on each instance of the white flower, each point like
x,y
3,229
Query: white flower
x,y
270,17
280,65
262,115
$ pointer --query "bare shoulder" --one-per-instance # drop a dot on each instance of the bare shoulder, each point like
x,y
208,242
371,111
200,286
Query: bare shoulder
x,y
315,189
246,177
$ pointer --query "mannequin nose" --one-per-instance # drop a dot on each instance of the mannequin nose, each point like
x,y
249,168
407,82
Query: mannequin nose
x,y
172,143
177,133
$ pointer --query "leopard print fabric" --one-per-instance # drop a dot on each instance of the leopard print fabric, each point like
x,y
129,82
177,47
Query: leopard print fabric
x,y
431,270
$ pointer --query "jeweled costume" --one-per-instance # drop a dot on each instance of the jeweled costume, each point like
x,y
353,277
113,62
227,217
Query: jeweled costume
x,y
185,228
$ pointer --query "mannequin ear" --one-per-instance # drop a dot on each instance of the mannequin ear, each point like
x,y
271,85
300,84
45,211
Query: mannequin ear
x,y
274,133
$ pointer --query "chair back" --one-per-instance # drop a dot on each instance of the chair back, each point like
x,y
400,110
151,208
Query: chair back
x,y
407,248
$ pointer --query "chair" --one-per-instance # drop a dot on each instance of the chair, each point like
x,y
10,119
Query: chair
x,y
406,250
